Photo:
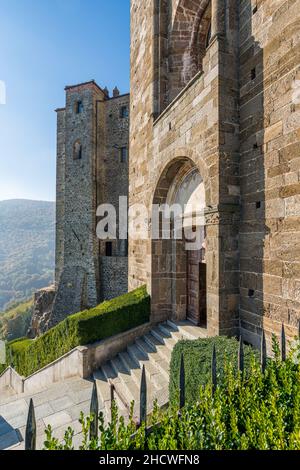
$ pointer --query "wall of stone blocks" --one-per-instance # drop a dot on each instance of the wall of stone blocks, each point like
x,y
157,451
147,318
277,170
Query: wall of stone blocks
x,y
238,122
270,163
60,194
83,184
78,285
112,172
189,128
114,276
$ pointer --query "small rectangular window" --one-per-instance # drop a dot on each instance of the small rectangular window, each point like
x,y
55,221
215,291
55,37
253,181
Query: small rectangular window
x,y
124,113
253,73
79,107
123,154
108,249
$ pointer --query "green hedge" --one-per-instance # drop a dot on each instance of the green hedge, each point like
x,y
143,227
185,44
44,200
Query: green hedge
x,y
253,411
107,319
197,359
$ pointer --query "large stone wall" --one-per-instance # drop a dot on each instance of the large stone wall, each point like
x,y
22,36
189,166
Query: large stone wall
x,y
79,279
237,122
189,128
112,184
114,276
60,194
270,163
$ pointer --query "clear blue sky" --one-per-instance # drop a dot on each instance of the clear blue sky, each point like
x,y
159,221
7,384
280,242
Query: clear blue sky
x,y
45,45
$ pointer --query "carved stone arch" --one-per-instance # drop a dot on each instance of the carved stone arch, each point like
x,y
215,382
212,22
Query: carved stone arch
x,y
167,172
169,253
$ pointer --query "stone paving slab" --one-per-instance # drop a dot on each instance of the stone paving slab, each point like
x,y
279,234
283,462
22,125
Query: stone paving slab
x,y
59,405
8,440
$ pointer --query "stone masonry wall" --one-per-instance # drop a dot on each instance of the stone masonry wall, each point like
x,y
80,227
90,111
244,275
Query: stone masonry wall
x,y
270,163
188,128
113,274
60,194
238,122
113,183
97,176
79,280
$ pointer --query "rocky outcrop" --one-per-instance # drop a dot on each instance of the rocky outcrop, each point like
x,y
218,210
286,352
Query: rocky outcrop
x,y
42,309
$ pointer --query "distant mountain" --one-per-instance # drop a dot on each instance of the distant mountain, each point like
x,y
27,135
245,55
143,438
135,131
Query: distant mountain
x,y
27,235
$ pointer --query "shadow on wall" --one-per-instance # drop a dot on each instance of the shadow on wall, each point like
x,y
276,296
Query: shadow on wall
x,y
254,230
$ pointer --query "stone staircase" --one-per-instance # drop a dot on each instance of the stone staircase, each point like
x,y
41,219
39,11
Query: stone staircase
x,y
124,371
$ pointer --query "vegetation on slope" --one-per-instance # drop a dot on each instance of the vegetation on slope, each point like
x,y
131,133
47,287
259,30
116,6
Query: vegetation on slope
x,y
15,321
27,233
107,319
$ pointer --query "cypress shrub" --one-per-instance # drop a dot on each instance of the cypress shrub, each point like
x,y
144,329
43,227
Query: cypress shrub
x,y
198,359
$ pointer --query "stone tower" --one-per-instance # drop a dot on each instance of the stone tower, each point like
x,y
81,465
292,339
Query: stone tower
x,y
92,169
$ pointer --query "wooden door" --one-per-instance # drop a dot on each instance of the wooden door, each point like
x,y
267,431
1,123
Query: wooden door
x,y
196,288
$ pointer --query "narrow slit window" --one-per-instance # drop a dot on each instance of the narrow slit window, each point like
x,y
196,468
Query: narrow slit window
x,y
123,154
108,249
79,107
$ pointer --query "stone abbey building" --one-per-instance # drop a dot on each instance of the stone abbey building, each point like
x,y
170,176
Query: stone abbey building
x,y
215,111
214,118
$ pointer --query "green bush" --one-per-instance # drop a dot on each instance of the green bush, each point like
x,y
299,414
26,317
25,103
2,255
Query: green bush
x,y
107,319
254,411
197,359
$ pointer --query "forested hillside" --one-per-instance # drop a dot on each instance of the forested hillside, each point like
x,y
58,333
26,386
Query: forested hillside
x,y
27,233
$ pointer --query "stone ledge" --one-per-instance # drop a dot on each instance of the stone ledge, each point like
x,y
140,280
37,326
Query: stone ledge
x,y
80,362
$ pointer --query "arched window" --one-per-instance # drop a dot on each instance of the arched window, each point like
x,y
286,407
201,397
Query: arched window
x,y
188,38
77,151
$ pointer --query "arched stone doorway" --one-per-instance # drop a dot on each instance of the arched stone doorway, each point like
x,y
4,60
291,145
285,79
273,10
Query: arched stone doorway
x,y
178,252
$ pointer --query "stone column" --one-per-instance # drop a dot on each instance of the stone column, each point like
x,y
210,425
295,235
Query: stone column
x,y
217,18
222,257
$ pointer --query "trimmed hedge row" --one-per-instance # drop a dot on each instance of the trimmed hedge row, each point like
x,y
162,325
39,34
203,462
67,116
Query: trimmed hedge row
x,y
198,359
107,319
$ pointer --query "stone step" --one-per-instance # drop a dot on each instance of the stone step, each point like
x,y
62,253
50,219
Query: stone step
x,y
158,348
104,395
188,330
170,331
160,359
126,385
153,374
141,351
124,371
165,339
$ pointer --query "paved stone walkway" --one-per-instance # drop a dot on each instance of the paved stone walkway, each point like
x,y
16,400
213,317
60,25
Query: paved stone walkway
x,y
60,406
